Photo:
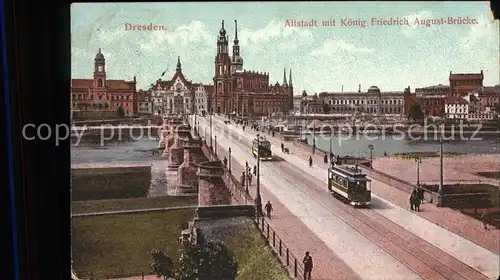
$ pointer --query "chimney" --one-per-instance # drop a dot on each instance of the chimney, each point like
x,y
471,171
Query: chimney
x,y
342,91
359,88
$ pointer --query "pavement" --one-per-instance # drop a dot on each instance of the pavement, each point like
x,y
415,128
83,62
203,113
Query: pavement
x,y
356,239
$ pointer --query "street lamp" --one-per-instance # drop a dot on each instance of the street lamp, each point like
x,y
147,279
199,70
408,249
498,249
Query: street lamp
x,y
258,199
418,160
370,147
440,191
331,139
215,145
229,151
314,135
211,131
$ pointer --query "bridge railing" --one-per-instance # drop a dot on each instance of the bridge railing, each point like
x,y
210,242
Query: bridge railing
x,y
287,258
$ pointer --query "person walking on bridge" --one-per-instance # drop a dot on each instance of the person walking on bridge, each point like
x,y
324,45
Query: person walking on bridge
x,y
269,209
242,178
308,266
249,178
310,161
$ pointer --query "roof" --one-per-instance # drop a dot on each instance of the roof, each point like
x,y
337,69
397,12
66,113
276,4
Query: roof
x,y
110,84
209,88
465,77
456,100
487,90
433,87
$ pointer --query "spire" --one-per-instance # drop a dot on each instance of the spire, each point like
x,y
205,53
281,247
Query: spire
x,y
290,78
99,50
284,77
179,68
236,41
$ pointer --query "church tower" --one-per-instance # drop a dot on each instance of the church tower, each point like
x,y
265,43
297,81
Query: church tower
x,y
236,60
290,92
99,70
222,72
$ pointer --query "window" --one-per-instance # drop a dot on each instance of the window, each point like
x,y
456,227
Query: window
x,y
99,83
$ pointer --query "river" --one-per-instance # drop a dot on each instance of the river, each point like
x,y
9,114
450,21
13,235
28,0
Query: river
x,y
358,145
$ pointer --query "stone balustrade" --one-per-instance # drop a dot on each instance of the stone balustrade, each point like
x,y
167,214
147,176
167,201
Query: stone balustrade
x,y
211,187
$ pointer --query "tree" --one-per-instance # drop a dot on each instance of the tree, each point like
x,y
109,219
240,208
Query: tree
x,y
304,93
162,265
415,113
326,108
206,261
120,112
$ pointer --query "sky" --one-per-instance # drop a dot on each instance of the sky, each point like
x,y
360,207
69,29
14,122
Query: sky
x,y
322,58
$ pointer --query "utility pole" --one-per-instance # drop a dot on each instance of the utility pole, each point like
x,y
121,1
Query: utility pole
x,y
211,130
418,161
258,198
440,190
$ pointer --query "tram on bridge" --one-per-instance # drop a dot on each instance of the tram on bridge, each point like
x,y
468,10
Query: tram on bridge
x,y
350,183
263,147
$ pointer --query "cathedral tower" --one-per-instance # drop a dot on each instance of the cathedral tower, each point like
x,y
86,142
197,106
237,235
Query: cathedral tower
x,y
236,60
222,72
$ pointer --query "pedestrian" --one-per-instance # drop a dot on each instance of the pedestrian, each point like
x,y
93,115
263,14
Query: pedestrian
x,y
310,161
282,147
308,266
246,165
325,159
224,161
255,170
411,201
242,178
416,202
249,178
269,209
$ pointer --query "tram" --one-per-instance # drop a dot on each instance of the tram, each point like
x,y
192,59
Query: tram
x,y
263,147
349,182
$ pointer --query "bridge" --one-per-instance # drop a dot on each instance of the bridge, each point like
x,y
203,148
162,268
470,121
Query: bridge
x,y
386,241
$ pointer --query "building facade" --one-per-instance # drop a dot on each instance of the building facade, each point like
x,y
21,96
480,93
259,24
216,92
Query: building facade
x,y
180,96
102,94
157,97
371,102
243,92
461,84
457,108
144,103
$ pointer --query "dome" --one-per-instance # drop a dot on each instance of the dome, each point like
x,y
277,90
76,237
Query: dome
x,y
237,59
373,89
99,55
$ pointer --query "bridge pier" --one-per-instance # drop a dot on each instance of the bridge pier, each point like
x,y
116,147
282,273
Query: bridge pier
x,y
176,152
186,176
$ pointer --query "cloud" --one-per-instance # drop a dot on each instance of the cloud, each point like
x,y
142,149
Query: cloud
x,y
409,30
274,30
333,46
485,32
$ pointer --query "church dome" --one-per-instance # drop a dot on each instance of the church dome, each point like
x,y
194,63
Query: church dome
x,y
374,89
99,55
237,59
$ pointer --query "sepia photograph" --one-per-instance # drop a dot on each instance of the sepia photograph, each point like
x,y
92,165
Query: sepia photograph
x,y
284,140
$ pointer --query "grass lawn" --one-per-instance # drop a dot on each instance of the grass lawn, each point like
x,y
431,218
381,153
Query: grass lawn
x,y
91,206
255,259
119,245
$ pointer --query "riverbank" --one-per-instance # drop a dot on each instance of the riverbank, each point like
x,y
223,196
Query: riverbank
x,y
456,169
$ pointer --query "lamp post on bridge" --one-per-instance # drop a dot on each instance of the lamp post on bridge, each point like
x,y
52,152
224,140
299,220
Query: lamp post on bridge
x,y
418,160
211,147
258,198
229,153
370,147
215,145
440,190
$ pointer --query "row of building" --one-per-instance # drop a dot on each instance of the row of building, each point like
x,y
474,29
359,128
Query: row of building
x,y
464,98
245,92
234,90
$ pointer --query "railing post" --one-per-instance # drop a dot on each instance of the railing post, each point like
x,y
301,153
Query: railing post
x,y
262,223
287,257
295,267
268,232
280,247
274,239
